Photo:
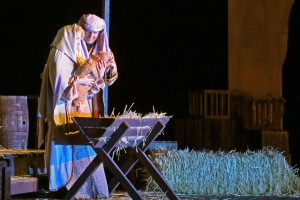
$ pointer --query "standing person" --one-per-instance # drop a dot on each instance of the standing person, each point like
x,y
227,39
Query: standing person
x,y
96,40
64,160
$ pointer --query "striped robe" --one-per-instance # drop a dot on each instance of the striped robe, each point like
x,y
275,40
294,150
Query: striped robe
x,y
64,162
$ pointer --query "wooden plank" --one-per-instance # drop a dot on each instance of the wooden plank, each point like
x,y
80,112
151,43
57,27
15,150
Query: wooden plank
x,y
105,5
208,134
5,179
232,134
189,133
114,122
277,139
216,134
198,125
225,134
179,132
103,127
221,134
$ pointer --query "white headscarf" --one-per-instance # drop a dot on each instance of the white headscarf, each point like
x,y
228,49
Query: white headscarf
x,y
65,42
93,23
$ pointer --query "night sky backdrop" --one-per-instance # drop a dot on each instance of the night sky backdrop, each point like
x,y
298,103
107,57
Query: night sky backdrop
x,y
163,49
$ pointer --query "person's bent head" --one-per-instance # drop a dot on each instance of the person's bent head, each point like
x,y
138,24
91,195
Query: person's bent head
x,y
92,25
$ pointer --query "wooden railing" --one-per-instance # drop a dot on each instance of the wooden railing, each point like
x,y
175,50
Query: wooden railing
x,y
268,114
209,104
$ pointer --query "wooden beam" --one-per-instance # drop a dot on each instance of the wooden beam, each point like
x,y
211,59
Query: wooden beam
x,y
105,13
105,16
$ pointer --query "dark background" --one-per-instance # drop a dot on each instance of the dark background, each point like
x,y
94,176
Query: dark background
x,y
291,86
163,49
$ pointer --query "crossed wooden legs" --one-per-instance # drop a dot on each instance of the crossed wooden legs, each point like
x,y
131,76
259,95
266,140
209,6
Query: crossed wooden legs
x,y
120,173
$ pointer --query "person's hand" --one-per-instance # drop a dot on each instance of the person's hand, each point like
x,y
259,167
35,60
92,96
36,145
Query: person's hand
x,y
100,68
99,83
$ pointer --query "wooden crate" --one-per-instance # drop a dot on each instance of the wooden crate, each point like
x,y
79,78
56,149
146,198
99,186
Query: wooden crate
x,y
278,140
195,104
24,161
5,179
255,139
26,172
199,133
268,114
209,104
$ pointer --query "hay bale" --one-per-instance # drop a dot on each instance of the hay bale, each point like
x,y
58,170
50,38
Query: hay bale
x,y
264,172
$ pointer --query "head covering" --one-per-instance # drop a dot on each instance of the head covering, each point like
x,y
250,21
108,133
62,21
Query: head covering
x,y
65,40
57,70
93,23
62,65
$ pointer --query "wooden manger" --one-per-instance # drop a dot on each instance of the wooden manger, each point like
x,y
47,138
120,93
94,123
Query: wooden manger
x,y
106,135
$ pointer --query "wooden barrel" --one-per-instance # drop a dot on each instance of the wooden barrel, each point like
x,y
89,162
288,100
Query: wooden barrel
x,y
14,122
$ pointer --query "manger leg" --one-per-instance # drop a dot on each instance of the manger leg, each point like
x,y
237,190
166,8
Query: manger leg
x,y
156,174
126,168
83,177
129,164
96,161
113,167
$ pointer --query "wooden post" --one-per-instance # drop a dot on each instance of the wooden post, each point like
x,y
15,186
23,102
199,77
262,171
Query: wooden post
x,y
105,16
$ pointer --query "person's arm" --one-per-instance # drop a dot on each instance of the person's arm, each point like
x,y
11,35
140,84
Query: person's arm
x,y
98,73
82,88
111,73
70,92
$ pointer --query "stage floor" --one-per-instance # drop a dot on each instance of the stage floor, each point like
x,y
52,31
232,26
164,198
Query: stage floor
x,y
120,195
